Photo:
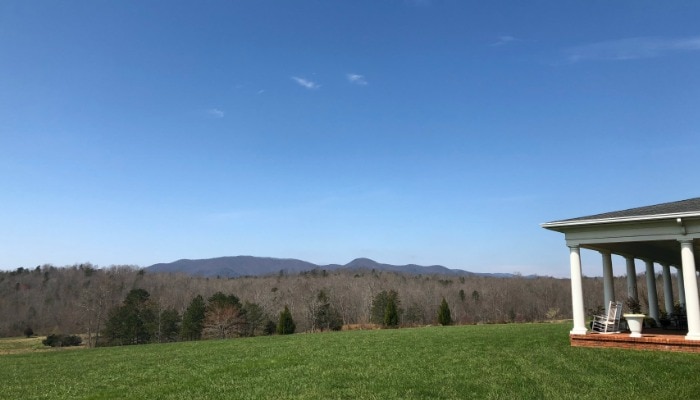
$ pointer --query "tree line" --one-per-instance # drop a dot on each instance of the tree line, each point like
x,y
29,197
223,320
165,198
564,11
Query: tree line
x,y
140,320
92,301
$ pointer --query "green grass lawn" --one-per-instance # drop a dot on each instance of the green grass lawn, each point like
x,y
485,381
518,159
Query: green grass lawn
x,y
489,361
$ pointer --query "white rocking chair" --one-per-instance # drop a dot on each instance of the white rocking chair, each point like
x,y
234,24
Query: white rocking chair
x,y
609,323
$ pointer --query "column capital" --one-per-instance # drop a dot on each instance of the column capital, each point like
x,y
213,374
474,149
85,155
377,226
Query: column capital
x,y
573,246
605,252
685,241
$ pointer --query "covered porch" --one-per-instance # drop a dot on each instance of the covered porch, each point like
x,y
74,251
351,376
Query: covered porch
x,y
665,234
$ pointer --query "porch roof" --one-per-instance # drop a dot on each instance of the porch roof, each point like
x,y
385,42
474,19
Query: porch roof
x,y
675,209
650,232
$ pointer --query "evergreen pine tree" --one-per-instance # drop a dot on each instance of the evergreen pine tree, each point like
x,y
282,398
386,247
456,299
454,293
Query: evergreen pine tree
x,y
325,316
444,315
386,309
169,325
286,325
391,313
379,307
134,322
193,320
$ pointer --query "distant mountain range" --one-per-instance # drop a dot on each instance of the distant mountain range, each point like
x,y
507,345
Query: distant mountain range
x,y
231,267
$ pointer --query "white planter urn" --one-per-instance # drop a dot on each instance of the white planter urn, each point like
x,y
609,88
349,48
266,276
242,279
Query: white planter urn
x,y
635,323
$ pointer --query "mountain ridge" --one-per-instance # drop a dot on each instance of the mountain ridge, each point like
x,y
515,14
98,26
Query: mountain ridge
x,y
237,266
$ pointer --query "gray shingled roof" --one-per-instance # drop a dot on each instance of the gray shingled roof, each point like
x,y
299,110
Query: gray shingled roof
x,y
675,207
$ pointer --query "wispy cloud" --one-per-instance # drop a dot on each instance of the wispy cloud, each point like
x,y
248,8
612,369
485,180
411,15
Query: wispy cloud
x,y
306,83
504,40
215,113
631,49
357,79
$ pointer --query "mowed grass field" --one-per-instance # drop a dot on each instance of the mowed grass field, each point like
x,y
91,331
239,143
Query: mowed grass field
x,y
515,361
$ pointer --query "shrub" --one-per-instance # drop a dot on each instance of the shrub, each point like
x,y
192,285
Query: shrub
x,y
270,328
633,305
60,340
28,332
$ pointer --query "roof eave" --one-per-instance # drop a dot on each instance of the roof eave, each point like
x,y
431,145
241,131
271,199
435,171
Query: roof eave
x,y
556,225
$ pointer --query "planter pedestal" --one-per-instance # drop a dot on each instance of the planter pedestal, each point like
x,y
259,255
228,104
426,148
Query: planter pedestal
x,y
635,323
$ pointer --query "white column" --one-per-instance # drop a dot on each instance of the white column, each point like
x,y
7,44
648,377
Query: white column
x,y
681,287
651,291
668,288
608,284
577,292
692,305
631,278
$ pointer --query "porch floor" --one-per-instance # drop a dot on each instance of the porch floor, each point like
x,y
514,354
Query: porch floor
x,y
652,339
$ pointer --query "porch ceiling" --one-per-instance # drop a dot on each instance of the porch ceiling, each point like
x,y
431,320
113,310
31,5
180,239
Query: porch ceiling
x,y
660,251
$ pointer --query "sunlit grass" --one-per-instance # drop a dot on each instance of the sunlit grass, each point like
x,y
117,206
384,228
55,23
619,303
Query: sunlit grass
x,y
489,361
21,345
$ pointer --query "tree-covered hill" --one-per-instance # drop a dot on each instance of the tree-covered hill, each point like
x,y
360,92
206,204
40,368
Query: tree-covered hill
x,y
231,267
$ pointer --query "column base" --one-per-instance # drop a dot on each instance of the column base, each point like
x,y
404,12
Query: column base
x,y
692,336
582,331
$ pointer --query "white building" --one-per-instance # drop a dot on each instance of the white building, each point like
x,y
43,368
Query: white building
x,y
665,234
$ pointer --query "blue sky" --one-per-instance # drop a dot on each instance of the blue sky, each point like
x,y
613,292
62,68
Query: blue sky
x,y
427,132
